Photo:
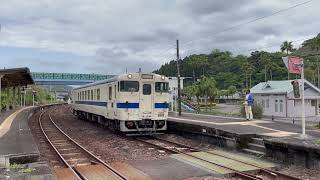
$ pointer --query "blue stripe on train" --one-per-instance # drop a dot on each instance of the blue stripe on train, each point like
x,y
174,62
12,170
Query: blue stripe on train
x,y
93,103
128,105
161,105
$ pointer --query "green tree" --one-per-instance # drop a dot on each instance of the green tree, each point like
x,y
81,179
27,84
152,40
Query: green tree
x,y
315,46
191,91
247,69
232,90
267,64
198,64
208,89
287,47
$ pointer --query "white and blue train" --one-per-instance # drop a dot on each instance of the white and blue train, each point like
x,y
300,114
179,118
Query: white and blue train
x,y
135,103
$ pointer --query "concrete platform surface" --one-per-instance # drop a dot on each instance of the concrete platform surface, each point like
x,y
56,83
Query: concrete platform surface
x,y
170,169
16,139
230,160
241,126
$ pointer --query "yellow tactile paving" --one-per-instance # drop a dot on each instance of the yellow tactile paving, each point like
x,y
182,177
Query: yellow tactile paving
x,y
6,124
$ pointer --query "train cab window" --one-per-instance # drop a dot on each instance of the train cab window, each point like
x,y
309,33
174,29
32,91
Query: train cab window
x,y
129,86
162,87
98,94
110,93
146,89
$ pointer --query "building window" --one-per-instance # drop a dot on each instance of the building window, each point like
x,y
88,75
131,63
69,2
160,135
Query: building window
x,y
263,103
281,105
276,105
314,103
267,103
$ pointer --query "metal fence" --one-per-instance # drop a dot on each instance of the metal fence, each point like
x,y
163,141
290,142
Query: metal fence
x,y
69,76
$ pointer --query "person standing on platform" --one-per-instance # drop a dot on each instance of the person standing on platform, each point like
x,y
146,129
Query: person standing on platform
x,y
248,105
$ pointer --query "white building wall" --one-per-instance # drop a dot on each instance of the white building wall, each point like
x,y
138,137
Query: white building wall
x,y
273,105
277,105
295,106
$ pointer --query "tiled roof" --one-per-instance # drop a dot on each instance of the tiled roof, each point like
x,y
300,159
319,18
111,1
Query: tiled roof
x,y
277,87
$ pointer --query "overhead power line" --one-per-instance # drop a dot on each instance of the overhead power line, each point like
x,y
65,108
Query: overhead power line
x,y
243,24
250,21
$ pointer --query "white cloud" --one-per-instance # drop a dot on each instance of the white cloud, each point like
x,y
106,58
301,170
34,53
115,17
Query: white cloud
x,y
144,29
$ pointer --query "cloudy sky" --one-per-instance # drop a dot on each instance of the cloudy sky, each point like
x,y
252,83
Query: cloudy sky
x,y
108,36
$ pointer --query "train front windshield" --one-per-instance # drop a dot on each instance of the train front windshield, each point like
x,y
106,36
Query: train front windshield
x,y
129,86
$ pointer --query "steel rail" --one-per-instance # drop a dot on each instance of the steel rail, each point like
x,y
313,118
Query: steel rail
x,y
268,171
235,172
55,149
88,152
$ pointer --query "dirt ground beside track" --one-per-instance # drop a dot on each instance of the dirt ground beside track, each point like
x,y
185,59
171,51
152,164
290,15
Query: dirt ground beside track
x,y
111,147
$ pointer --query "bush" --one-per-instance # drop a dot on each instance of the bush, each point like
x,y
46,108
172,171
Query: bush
x,y
257,111
202,104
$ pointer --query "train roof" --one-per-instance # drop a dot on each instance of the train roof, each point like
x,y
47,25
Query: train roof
x,y
98,83
109,80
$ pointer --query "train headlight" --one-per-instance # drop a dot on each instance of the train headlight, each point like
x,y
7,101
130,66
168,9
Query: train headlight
x,y
162,77
129,76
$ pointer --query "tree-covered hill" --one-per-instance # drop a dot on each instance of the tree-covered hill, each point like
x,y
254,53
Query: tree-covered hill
x,y
245,71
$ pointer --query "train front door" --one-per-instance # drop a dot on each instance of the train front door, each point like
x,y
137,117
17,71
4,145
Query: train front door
x,y
146,101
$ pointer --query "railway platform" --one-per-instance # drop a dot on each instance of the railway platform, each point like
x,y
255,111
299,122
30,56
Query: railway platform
x,y
17,145
279,140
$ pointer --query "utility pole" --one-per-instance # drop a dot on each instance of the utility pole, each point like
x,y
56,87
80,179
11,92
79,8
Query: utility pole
x,y
1,76
178,74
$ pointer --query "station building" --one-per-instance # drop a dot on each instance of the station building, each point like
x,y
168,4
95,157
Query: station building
x,y
277,99
12,82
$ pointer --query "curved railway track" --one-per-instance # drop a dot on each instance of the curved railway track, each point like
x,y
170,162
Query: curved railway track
x,y
186,150
77,162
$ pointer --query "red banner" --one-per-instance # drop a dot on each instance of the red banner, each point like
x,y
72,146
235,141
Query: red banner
x,y
295,65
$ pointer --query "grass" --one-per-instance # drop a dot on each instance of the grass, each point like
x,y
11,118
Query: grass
x,y
318,141
20,168
318,126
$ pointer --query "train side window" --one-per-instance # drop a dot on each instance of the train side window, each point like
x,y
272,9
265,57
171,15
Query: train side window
x,y
92,94
88,94
98,94
85,95
115,91
110,93
118,86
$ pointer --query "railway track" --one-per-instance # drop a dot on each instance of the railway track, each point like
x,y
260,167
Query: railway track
x,y
75,161
178,148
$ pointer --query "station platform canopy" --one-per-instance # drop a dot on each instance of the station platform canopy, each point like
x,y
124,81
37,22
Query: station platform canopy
x,y
15,77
